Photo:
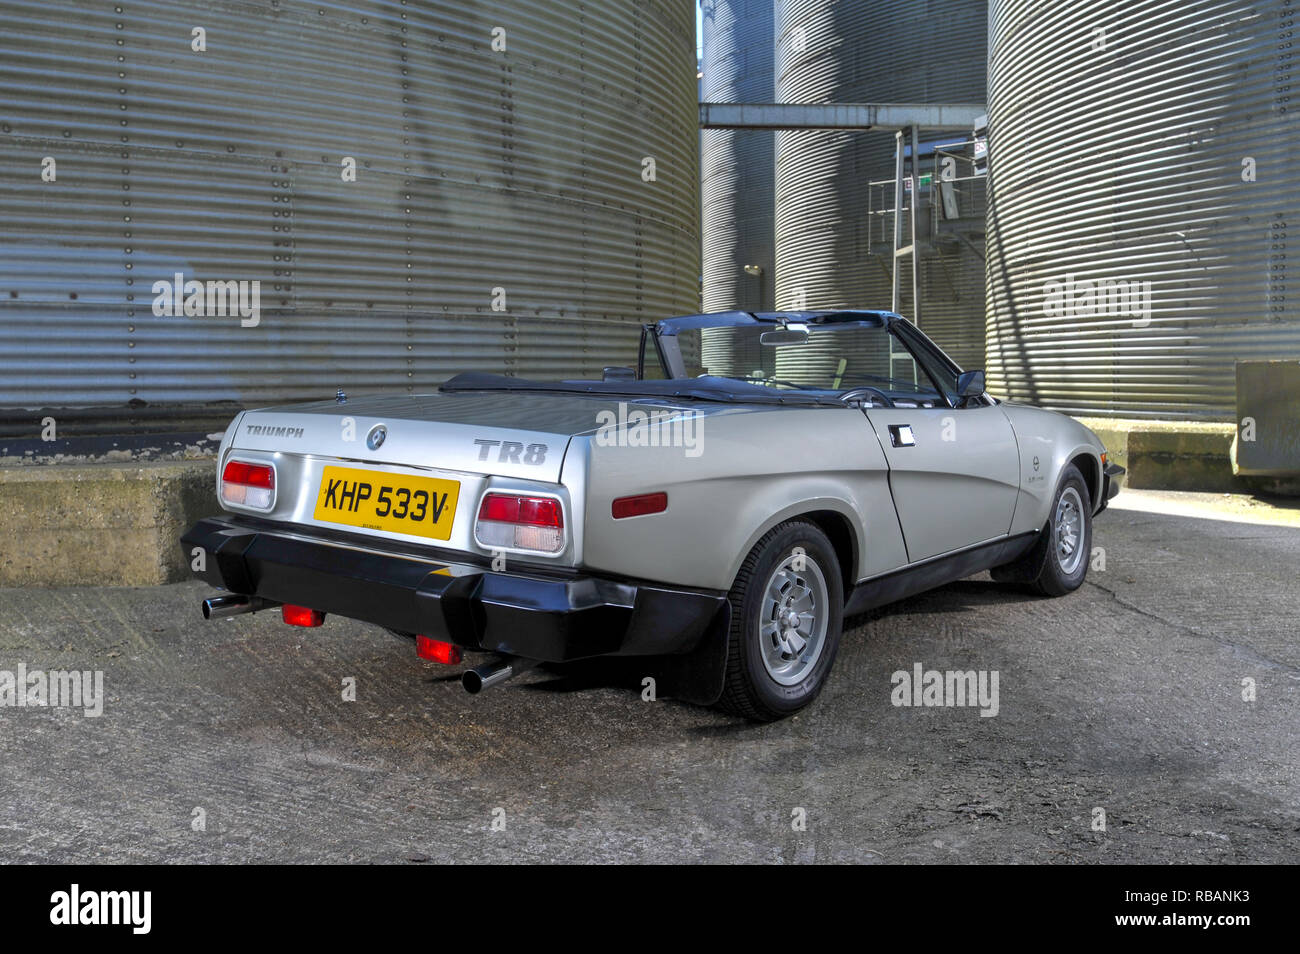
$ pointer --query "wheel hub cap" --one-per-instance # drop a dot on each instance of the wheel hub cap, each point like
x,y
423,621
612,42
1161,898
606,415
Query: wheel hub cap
x,y
793,620
1068,528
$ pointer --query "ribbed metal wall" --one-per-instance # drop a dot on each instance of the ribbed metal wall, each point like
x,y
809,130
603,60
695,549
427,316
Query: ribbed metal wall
x,y
737,352
476,169
737,165
829,252
1121,141
732,352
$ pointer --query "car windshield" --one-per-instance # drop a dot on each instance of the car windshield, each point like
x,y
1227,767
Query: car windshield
x,y
832,357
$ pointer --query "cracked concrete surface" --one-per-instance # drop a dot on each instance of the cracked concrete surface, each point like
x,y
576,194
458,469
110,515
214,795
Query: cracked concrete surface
x,y
1125,696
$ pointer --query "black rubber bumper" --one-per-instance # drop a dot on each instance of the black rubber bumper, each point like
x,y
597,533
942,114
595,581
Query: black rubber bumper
x,y
548,618
1111,478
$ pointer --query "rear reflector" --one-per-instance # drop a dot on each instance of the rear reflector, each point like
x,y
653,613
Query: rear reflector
x,y
520,522
301,615
249,485
436,650
640,505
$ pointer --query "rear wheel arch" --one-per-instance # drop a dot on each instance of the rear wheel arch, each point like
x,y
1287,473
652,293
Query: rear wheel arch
x,y
840,532
830,516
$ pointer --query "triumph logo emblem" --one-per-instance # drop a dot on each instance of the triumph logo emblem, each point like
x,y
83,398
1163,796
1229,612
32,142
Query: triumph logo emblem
x,y
375,439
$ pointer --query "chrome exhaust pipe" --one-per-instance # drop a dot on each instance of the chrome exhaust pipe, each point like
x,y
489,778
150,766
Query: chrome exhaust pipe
x,y
494,673
233,604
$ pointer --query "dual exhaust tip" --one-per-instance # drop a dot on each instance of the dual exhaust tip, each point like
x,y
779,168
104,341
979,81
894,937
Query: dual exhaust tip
x,y
474,680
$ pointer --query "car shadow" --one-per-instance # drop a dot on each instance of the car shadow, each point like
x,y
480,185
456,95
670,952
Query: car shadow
x,y
606,673
445,677
961,596
626,674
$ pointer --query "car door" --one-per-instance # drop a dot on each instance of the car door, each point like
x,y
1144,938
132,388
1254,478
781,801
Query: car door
x,y
954,471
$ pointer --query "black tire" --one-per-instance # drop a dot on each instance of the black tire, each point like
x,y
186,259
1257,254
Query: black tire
x,y
752,690
1045,569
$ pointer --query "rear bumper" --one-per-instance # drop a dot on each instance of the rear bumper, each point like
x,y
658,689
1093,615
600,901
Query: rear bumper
x,y
551,618
1111,478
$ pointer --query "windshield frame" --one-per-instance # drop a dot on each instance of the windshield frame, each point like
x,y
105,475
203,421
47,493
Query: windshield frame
x,y
922,350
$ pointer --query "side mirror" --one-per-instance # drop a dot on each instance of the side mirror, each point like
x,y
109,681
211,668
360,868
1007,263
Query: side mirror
x,y
618,374
970,384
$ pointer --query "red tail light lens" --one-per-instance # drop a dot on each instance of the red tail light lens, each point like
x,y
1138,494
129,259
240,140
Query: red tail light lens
x,y
509,508
639,506
540,512
248,485
437,650
520,522
301,615
254,475
499,507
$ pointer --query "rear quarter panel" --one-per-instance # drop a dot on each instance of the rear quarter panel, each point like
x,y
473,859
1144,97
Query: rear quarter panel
x,y
754,469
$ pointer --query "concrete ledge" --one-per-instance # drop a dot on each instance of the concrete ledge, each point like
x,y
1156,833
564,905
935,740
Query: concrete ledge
x,y
1172,455
114,524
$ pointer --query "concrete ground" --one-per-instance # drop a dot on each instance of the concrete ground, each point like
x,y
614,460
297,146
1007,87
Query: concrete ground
x,y
1126,696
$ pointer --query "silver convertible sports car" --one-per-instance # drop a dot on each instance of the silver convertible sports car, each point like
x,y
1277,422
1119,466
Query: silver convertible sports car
x,y
717,511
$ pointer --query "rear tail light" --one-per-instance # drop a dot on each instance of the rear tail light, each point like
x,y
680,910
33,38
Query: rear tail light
x,y
248,485
437,650
301,615
520,522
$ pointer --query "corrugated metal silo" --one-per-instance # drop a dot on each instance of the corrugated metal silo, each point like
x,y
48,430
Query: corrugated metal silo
x,y
1142,185
831,252
500,153
731,352
736,165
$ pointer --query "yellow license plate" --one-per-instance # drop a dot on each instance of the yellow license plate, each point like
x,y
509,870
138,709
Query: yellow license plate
x,y
397,503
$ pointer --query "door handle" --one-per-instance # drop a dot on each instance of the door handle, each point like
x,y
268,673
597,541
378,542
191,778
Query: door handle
x,y
900,435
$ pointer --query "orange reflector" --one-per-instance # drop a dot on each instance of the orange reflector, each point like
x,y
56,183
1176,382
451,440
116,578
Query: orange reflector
x,y
436,650
301,615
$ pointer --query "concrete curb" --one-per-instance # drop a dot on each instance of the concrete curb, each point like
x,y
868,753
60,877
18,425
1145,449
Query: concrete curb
x,y
1181,455
110,524
1171,455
